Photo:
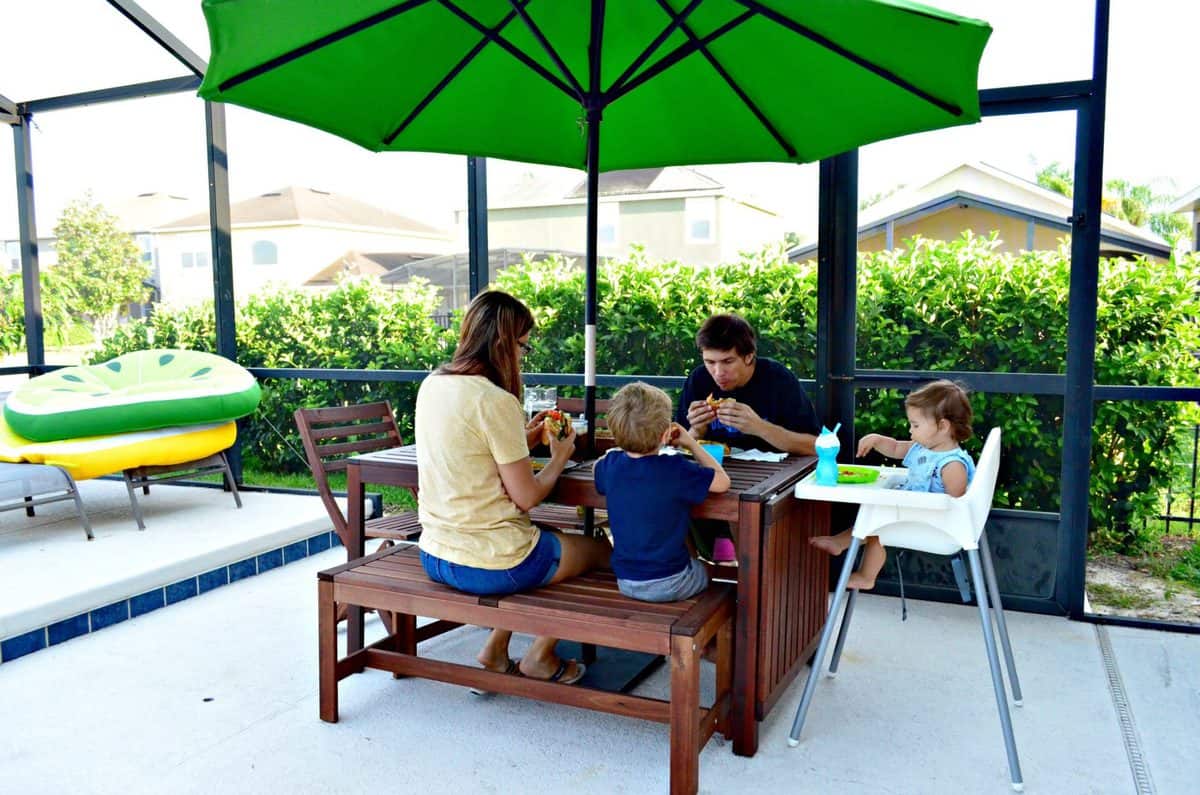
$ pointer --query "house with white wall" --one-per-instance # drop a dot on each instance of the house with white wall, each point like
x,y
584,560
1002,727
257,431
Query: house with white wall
x,y
676,213
283,238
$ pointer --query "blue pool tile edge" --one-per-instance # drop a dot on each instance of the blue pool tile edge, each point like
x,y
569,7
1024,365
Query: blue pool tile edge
x,y
98,618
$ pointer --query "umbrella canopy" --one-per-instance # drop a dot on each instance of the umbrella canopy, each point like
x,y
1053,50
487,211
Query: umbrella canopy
x,y
666,82
676,82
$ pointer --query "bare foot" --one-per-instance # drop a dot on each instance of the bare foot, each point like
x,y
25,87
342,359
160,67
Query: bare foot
x,y
831,545
501,665
860,582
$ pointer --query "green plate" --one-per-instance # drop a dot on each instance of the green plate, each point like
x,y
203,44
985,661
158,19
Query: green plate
x,y
852,474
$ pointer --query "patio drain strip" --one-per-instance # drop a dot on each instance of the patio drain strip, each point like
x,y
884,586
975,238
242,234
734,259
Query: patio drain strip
x,y
1133,744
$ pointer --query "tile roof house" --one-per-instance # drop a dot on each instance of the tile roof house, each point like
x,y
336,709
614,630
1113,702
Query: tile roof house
x,y
982,198
285,237
676,213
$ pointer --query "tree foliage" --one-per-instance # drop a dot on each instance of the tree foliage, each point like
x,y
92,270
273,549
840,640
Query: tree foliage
x,y
101,263
949,306
1140,205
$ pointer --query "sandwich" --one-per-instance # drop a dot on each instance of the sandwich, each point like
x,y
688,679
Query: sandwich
x,y
555,425
714,403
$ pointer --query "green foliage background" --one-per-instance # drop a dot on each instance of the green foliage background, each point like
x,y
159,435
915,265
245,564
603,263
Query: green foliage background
x,y
357,325
960,305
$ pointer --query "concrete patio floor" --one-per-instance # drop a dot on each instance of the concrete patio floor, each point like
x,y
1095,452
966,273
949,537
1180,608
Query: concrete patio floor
x,y
218,693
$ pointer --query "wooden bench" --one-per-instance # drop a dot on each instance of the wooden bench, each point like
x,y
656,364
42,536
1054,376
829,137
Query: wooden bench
x,y
587,609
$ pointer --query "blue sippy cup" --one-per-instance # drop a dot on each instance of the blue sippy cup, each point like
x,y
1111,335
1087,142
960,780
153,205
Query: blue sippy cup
x,y
828,446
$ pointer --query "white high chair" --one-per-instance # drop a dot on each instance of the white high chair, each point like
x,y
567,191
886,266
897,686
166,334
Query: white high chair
x,y
942,525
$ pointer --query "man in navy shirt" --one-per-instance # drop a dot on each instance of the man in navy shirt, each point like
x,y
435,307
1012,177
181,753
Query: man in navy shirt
x,y
770,410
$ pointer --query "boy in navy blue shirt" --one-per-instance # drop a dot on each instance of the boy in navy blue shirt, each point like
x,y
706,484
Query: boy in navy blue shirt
x,y
650,496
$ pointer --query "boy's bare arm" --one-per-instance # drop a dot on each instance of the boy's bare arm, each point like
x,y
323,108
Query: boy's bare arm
x,y
679,437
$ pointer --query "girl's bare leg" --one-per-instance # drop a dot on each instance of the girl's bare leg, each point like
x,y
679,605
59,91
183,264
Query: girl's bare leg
x,y
873,559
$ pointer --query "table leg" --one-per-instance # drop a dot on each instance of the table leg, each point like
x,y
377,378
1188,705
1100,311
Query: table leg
x,y
354,541
745,656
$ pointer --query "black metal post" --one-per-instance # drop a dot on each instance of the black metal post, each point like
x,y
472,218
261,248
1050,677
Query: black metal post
x,y
31,283
477,223
1081,329
222,252
837,257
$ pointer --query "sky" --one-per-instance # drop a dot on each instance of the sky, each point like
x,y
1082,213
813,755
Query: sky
x,y
118,150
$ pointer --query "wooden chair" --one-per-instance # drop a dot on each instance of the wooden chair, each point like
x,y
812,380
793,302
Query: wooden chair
x,y
330,436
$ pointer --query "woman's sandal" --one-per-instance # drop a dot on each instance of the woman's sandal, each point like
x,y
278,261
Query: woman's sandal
x,y
560,675
512,668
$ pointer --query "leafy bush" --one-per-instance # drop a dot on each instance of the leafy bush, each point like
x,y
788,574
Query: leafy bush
x,y
60,327
958,305
357,325
964,306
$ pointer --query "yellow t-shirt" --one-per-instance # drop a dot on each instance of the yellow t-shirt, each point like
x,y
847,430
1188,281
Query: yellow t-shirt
x,y
466,426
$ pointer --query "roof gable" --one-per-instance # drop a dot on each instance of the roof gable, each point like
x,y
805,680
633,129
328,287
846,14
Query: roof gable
x,y
297,205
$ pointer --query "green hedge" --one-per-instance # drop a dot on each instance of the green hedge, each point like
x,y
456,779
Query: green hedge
x,y
357,325
960,305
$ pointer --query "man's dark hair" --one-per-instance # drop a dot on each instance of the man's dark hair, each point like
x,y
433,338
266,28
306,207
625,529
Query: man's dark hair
x,y
726,332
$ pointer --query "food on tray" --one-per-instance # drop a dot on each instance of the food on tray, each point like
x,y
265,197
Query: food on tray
x,y
555,425
854,474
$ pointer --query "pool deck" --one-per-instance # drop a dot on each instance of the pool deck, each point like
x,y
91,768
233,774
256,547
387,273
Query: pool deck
x,y
218,692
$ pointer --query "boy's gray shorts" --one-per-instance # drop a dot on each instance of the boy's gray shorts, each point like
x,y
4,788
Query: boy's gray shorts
x,y
683,585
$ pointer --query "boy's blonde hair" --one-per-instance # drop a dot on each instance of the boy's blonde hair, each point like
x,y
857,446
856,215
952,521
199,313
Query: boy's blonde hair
x,y
945,400
638,416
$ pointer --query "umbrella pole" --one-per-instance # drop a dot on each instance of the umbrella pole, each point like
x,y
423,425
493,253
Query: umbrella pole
x,y
589,312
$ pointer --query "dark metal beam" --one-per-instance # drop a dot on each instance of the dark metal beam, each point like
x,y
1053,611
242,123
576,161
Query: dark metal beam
x,y
837,255
31,283
153,88
477,221
1038,98
7,106
1081,330
165,38
222,253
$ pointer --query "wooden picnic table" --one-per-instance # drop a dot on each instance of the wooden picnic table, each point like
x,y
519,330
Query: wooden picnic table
x,y
782,582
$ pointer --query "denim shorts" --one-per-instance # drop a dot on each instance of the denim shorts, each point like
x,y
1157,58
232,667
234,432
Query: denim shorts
x,y
683,585
536,570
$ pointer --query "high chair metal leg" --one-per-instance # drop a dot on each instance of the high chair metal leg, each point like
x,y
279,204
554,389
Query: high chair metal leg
x,y
989,642
843,630
845,627
839,595
989,571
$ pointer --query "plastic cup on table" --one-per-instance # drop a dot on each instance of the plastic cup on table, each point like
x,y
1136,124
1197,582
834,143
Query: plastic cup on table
x,y
717,451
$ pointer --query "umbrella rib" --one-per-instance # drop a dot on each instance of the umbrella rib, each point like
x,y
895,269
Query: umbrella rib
x,y
834,47
488,36
519,7
676,21
492,35
750,104
674,57
317,44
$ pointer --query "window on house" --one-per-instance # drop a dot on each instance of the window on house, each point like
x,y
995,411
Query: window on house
x,y
264,252
194,259
700,219
607,222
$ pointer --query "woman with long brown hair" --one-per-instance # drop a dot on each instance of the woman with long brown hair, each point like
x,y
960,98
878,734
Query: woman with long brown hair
x,y
477,483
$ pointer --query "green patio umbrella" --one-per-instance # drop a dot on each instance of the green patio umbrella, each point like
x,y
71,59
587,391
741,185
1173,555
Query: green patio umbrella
x,y
662,82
